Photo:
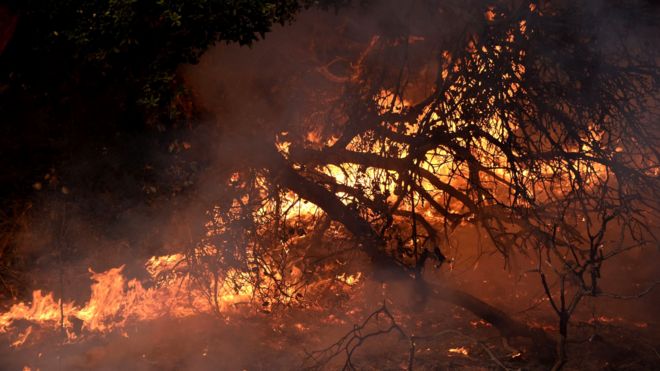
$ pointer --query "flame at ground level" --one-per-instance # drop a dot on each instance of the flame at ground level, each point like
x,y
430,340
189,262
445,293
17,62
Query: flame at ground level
x,y
114,301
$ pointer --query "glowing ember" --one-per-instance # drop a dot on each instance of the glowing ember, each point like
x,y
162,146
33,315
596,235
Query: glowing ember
x,y
350,279
460,350
480,323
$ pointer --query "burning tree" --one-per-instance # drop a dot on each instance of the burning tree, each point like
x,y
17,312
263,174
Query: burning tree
x,y
528,122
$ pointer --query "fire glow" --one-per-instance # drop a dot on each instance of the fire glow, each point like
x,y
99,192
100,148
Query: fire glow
x,y
113,302
462,351
116,301
407,182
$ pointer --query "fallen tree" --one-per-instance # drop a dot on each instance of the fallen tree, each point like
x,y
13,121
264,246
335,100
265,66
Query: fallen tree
x,y
522,123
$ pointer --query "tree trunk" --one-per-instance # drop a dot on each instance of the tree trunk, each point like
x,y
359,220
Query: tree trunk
x,y
507,326
561,344
386,267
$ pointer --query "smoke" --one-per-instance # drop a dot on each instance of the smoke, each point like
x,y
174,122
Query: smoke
x,y
290,83
94,215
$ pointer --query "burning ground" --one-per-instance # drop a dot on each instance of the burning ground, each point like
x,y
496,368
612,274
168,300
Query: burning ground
x,y
414,185
168,326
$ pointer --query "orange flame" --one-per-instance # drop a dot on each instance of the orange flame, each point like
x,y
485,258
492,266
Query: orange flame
x,y
114,301
460,351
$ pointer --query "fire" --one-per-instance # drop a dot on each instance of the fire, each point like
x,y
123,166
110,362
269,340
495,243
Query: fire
x,y
602,319
115,301
377,183
460,351
22,337
480,322
449,168
350,279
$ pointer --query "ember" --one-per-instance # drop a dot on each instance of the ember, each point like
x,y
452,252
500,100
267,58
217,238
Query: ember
x,y
460,350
